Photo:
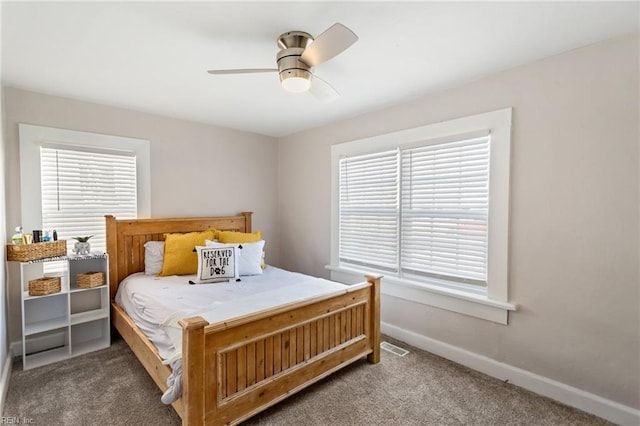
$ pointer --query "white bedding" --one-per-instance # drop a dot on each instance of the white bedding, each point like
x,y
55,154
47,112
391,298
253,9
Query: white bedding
x,y
156,304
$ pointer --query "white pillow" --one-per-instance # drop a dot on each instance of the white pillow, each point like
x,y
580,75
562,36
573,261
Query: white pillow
x,y
153,257
216,264
250,256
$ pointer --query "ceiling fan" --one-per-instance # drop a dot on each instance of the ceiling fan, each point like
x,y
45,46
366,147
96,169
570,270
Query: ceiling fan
x,y
299,54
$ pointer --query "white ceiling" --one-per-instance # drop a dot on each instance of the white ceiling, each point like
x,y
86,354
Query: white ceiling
x,y
153,56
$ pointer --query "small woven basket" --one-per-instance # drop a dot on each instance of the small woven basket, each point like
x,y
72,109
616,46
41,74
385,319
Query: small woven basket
x,y
90,279
35,251
43,286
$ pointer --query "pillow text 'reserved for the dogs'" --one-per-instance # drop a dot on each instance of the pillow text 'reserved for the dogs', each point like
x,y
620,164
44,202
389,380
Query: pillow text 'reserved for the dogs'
x,y
217,264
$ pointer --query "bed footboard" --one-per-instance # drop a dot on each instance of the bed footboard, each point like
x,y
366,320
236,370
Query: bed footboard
x,y
250,363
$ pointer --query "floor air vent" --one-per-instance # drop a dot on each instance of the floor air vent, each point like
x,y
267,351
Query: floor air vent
x,y
393,349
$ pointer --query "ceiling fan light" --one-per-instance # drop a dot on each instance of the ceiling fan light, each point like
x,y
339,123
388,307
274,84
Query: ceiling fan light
x,y
296,84
296,81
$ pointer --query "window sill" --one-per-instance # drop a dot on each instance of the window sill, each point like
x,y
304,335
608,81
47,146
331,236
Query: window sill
x,y
475,305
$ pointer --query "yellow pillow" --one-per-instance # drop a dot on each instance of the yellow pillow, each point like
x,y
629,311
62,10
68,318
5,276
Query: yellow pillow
x,y
179,257
239,237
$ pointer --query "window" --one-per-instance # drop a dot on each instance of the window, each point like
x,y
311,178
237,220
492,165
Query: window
x,y
369,211
428,209
417,212
69,180
80,186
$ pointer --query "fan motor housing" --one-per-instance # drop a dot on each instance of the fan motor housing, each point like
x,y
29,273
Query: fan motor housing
x,y
294,39
290,65
293,44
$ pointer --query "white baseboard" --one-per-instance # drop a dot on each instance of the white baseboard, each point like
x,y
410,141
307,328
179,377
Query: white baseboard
x,y
574,397
4,379
15,348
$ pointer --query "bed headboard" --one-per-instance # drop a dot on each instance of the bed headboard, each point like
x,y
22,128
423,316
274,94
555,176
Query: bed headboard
x,y
126,238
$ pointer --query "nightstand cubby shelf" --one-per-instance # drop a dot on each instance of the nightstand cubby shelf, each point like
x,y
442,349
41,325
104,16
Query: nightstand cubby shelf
x,y
71,322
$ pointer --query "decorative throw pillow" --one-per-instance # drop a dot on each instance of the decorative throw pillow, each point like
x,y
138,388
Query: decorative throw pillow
x,y
239,237
249,257
179,256
216,264
153,257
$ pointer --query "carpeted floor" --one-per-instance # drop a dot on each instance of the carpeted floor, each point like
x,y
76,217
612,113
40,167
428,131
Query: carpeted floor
x,y
110,387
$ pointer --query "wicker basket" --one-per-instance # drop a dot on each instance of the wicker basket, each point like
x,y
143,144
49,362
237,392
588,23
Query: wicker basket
x,y
35,251
45,285
90,279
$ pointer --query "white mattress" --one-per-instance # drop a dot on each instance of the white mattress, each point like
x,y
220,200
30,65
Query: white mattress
x,y
156,304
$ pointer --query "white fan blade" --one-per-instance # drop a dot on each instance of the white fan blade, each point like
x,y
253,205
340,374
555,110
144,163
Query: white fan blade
x,y
330,43
242,71
322,90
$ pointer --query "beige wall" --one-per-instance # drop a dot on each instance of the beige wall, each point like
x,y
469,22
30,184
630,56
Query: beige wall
x,y
574,203
574,216
4,342
196,170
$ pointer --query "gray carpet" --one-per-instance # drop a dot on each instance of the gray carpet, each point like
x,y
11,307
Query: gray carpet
x,y
110,387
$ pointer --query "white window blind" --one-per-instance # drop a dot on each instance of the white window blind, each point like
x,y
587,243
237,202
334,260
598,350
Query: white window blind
x,y
418,212
368,210
445,206
79,187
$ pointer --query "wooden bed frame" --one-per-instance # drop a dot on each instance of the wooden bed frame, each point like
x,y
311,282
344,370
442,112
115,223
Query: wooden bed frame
x,y
234,369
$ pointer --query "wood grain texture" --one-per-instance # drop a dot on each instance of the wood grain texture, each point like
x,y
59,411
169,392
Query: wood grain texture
x,y
291,330
237,368
193,369
144,350
126,238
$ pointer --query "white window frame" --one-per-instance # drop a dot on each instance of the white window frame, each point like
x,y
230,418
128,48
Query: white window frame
x,y
490,303
33,137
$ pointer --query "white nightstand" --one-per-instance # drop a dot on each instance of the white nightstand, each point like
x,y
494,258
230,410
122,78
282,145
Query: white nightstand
x,y
69,323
